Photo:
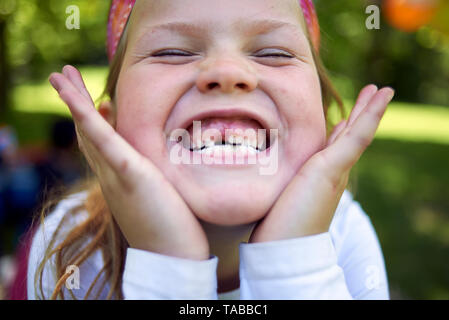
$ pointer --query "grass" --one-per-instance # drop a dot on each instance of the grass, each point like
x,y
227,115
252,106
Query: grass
x,y
402,185
40,97
401,181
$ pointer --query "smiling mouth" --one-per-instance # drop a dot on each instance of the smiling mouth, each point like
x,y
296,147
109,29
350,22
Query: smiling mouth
x,y
229,135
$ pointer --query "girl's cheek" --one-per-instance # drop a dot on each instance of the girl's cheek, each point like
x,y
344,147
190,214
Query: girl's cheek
x,y
138,100
139,124
306,127
302,143
141,117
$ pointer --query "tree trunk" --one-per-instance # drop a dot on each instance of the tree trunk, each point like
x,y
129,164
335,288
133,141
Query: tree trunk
x,y
4,70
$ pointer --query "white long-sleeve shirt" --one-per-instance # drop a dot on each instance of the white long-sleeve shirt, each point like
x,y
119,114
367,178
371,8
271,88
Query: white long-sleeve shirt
x,y
344,263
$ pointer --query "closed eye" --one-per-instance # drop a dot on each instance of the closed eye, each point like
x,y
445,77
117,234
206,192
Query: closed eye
x,y
277,54
172,53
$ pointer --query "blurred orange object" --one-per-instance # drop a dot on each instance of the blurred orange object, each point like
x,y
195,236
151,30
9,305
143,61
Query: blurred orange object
x,y
409,15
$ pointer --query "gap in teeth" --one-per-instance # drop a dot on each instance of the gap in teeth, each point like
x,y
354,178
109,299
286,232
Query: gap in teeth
x,y
233,141
225,147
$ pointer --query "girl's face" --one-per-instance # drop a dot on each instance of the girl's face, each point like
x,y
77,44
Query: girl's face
x,y
241,64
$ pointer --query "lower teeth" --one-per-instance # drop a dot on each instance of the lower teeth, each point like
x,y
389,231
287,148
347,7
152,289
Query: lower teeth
x,y
227,148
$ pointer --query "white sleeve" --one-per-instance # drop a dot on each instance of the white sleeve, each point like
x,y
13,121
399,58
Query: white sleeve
x,y
344,263
150,275
300,268
360,254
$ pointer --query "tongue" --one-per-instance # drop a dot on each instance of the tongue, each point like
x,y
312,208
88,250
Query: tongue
x,y
222,126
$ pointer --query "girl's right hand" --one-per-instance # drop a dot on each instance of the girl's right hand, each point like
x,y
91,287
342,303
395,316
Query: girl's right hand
x,y
149,211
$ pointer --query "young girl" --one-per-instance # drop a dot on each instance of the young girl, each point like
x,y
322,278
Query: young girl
x,y
151,227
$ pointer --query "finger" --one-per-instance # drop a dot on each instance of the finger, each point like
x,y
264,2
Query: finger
x,y
336,131
363,99
348,148
94,160
94,130
64,86
89,152
75,76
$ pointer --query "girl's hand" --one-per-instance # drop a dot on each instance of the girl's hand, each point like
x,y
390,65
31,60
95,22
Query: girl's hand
x,y
147,208
307,204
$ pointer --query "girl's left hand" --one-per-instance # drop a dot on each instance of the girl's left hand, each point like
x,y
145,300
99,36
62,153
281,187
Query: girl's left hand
x,y
307,204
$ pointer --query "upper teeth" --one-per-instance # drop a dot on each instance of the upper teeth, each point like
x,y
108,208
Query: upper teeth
x,y
235,140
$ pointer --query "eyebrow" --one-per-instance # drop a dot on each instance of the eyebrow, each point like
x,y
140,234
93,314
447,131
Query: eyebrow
x,y
254,27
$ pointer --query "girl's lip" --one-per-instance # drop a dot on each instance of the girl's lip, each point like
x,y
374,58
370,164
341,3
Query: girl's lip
x,y
231,112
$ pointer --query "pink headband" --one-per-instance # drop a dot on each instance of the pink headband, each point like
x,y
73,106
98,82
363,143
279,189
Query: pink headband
x,y
121,9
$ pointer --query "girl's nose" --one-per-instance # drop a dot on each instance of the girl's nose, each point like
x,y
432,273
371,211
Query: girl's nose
x,y
226,75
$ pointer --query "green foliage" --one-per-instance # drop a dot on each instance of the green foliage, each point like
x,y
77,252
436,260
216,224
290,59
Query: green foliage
x,y
416,64
39,41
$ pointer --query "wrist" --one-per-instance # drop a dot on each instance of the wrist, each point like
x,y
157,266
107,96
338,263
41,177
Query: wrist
x,y
182,253
273,236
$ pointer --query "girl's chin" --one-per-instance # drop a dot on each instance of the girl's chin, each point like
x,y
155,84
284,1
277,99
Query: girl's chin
x,y
226,195
230,207
225,217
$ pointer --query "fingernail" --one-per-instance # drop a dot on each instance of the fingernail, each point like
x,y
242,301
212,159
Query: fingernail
x,y
64,70
53,82
391,93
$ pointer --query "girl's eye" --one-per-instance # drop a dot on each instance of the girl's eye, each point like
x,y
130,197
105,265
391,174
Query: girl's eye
x,y
278,54
171,53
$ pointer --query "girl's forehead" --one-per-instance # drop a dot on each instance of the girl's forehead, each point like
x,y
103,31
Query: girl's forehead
x,y
214,15
239,15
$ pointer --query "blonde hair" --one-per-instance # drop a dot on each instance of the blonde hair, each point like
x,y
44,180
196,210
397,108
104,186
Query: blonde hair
x,y
100,225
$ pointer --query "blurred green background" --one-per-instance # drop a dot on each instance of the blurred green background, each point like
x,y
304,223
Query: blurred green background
x,y
401,181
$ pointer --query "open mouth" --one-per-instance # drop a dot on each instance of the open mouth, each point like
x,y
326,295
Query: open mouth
x,y
229,135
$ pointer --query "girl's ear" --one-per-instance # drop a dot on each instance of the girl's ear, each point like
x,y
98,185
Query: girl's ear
x,y
107,111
